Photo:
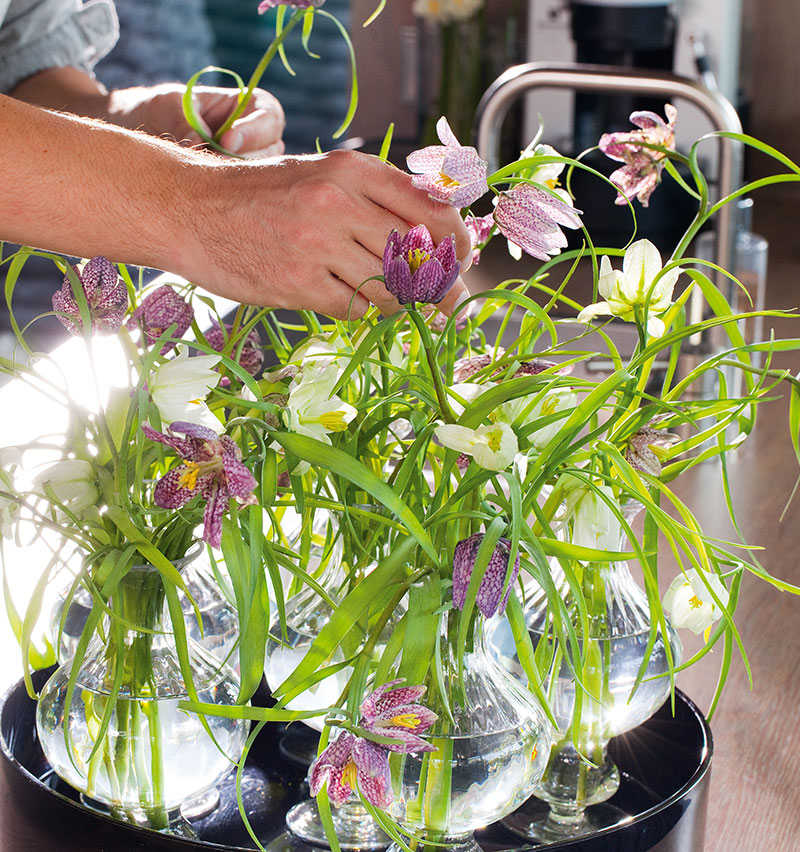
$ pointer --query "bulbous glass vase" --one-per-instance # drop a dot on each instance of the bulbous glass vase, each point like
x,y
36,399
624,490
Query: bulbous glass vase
x,y
492,742
110,724
593,700
211,619
306,613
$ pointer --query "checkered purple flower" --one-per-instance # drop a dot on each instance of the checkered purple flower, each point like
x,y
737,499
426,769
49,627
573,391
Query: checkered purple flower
x,y
251,358
648,447
415,269
479,228
351,762
266,5
394,712
451,173
532,219
159,310
105,293
490,598
212,467
643,165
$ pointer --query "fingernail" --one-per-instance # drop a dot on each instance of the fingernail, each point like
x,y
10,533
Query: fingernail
x,y
235,141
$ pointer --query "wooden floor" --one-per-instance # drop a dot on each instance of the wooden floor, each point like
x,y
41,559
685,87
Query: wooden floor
x,y
755,782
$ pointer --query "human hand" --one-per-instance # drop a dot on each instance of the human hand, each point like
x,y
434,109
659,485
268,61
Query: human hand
x,y
158,110
307,232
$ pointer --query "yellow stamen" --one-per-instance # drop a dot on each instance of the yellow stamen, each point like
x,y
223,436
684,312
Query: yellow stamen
x,y
706,633
549,405
695,602
349,775
553,183
188,479
406,720
333,421
446,181
534,753
416,257
495,439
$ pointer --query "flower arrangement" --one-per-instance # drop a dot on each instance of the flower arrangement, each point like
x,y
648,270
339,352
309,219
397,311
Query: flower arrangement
x,y
467,471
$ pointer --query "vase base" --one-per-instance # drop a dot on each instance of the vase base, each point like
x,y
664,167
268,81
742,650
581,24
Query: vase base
x,y
462,844
201,806
176,822
533,822
356,831
299,744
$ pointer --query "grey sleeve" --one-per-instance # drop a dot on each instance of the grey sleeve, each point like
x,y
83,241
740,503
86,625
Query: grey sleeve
x,y
39,34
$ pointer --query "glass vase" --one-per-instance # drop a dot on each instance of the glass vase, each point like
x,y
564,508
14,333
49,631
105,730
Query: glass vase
x,y
118,736
492,742
306,613
211,619
593,698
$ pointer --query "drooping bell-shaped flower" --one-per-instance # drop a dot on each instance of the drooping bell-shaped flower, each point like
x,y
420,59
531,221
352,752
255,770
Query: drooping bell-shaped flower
x,y
393,711
351,762
646,449
532,219
638,287
490,598
520,411
451,172
266,5
159,310
479,228
492,446
72,482
251,357
106,297
10,460
594,523
180,386
690,602
643,164
446,11
415,269
312,410
545,174
212,467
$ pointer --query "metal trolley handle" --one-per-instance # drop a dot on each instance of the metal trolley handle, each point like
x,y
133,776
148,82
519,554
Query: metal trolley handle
x,y
520,79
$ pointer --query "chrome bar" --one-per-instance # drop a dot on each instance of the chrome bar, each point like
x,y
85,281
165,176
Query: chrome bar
x,y
520,79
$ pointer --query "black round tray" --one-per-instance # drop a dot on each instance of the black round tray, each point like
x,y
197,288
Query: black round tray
x,y
664,766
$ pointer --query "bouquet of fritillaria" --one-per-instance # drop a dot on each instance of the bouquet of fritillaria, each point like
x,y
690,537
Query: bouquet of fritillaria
x,y
423,524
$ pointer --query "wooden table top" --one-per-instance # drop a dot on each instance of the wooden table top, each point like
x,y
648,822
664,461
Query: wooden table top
x,y
755,779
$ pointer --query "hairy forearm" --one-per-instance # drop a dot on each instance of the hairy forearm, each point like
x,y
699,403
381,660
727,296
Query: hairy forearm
x,y
82,187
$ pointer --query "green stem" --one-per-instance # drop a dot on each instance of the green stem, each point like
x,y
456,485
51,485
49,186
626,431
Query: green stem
x,y
255,77
436,375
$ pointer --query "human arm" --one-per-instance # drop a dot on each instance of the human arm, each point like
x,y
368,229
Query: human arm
x,y
158,110
297,232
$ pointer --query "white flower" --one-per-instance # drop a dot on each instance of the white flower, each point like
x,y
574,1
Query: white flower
x,y
493,447
593,522
633,288
444,11
310,408
461,394
315,351
690,603
10,458
179,388
519,410
73,482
